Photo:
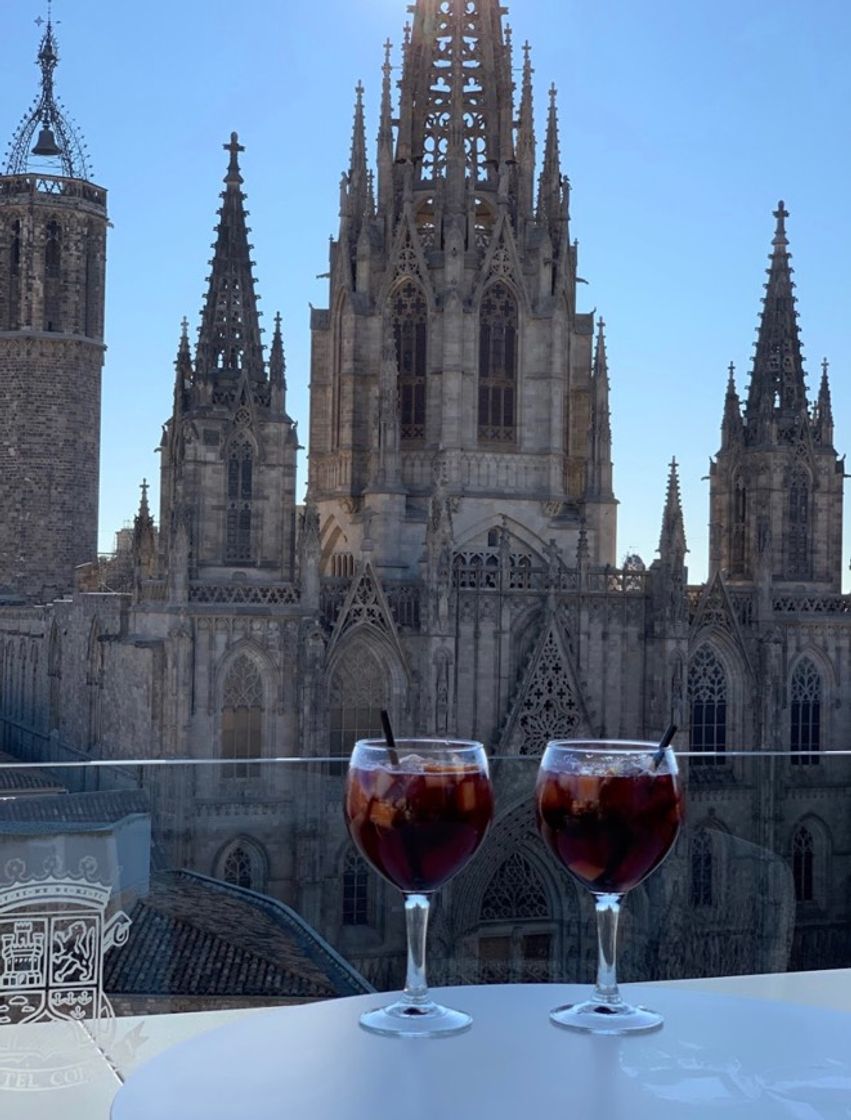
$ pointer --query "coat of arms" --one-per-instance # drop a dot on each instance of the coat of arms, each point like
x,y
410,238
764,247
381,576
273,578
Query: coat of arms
x,y
53,937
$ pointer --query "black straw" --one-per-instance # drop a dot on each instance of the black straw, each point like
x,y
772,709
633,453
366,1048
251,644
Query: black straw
x,y
389,739
659,756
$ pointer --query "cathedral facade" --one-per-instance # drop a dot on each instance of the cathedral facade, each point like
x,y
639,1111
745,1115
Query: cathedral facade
x,y
455,558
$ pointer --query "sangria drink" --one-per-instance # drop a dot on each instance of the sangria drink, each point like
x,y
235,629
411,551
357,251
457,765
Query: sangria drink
x,y
610,813
417,812
611,829
419,822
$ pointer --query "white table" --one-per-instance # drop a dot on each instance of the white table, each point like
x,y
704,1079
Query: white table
x,y
717,1056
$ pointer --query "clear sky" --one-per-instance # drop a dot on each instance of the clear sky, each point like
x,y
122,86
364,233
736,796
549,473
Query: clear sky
x,y
682,124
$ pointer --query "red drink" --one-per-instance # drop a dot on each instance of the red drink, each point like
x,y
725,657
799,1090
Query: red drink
x,y
419,823
609,829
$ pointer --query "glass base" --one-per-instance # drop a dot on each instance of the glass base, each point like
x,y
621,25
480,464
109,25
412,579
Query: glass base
x,y
415,1020
598,1017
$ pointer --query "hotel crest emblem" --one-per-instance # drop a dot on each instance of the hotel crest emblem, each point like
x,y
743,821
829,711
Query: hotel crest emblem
x,y
54,935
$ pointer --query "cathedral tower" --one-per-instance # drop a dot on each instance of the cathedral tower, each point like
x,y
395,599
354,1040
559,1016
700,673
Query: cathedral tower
x,y
52,257
227,496
776,483
451,353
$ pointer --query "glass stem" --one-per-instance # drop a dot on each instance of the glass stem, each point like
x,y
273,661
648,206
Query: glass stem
x,y
608,908
416,922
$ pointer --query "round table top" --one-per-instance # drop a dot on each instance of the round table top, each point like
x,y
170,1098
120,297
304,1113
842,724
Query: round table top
x,y
716,1056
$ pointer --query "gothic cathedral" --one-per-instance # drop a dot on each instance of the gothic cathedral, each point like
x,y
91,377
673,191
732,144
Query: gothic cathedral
x,y
454,560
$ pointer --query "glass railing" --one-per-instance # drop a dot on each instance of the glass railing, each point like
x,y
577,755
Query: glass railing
x,y
139,888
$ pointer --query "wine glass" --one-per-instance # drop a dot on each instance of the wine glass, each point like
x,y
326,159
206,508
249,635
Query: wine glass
x,y
417,811
609,811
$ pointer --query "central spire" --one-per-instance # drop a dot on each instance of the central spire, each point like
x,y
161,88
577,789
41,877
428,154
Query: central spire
x,y
457,111
229,339
777,386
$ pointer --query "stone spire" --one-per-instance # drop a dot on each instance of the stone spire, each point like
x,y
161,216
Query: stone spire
x,y
144,539
550,187
823,419
731,425
46,132
385,139
277,362
229,340
456,93
278,369
777,391
601,428
358,172
672,541
182,370
526,139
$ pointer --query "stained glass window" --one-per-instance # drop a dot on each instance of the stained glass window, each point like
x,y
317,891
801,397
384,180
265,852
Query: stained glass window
x,y
805,729
240,491
244,865
237,869
242,718
410,320
707,693
515,891
498,365
516,943
798,527
358,692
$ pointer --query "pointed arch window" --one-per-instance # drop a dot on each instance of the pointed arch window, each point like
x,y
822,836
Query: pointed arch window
x,y
498,324
798,564
517,935
805,715
52,277
803,864
358,691
237,869
243,864
515,891
240,495
700,859
707,693
356,883
242,718
410,329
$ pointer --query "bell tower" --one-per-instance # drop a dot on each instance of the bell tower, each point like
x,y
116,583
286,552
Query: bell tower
x,y
228,465
776,482
52,256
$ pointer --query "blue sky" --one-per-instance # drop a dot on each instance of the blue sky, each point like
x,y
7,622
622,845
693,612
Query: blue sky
x,y
682,124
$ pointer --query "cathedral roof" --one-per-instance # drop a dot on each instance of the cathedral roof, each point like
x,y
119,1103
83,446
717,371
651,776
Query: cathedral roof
x,y
96,808
194,936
